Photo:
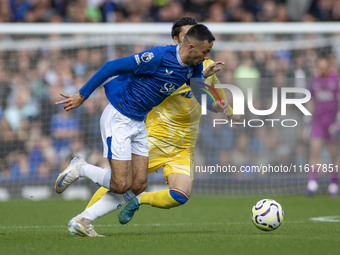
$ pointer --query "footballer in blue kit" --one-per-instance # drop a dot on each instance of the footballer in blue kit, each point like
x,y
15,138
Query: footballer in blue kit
x,y
144,81
149,77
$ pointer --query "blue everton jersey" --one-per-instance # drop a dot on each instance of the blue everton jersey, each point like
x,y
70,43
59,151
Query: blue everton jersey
x,y
145,80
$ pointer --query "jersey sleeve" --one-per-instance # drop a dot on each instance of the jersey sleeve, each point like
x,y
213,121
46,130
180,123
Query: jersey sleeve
x,y
109,69
146,62
212,81
142,63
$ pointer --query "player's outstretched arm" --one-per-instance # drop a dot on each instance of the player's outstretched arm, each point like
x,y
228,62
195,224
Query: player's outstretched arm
x,y
213,68
71,101
220,91
109,69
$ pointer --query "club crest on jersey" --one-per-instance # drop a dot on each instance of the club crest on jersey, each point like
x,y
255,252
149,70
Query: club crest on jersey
x,y
190,73
147,56
168,88
119,150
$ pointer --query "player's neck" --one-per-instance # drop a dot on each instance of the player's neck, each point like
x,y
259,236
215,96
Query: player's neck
x,y
183,54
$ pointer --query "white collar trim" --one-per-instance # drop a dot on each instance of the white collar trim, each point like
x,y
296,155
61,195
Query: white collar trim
x,y
178,57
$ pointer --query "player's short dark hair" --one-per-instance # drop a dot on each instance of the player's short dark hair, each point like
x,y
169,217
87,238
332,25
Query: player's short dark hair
x,y
200,33
178,24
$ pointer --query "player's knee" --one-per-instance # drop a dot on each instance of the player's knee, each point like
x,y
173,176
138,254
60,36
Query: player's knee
x,y
179,196
139,187
142,186
120,188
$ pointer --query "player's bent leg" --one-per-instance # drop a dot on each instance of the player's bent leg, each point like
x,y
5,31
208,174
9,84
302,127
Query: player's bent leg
x,y
179,191
139,166
180,181
108,203
97,196
177,171
139,170
161,199
105,201
166,199
121,175
140,183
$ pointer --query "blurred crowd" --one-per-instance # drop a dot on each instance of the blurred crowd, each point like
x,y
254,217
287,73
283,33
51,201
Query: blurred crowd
x,y
37,138
168,10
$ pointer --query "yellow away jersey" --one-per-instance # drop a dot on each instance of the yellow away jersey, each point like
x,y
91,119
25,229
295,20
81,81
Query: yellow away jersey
x,y
176,119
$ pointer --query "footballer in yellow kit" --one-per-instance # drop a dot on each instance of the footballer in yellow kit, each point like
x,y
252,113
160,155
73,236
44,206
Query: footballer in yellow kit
x,y
172,130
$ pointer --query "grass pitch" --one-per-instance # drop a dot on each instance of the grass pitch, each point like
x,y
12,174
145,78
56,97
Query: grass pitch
x,y
205,225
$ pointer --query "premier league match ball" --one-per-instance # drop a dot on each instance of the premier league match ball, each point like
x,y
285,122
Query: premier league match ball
x,y
267,214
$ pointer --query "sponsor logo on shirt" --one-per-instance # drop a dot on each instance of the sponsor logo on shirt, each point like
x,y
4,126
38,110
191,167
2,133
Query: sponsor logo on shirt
x,y
147,56
168,88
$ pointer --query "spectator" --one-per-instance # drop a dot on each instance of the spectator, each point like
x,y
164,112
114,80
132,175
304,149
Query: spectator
x,y
21,108
19,9
247,76
90,124
12,152
281,13
267,12
64,128
5,87
172,11
31,127
168,10
322,10
216,13
5,11
40,151
300,74
196,8
297,9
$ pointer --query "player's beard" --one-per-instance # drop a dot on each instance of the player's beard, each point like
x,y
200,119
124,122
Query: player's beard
x,y
197,61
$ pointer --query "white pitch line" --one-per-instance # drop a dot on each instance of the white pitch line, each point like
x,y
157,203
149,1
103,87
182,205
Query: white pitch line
x,y
133,225
335,218
141,225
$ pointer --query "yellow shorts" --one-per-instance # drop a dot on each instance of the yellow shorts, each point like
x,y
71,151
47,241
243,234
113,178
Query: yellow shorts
x,y
171,158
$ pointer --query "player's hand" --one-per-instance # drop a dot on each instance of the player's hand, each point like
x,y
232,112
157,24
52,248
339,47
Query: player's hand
x,y
218,107
213,68
71,101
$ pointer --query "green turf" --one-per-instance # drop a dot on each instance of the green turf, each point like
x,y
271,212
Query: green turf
x,y
205,225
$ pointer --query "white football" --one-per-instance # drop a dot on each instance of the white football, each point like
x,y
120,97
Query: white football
x,y
267,214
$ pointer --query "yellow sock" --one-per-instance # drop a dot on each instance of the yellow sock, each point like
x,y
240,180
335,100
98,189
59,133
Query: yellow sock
x,y
164,198
98,195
